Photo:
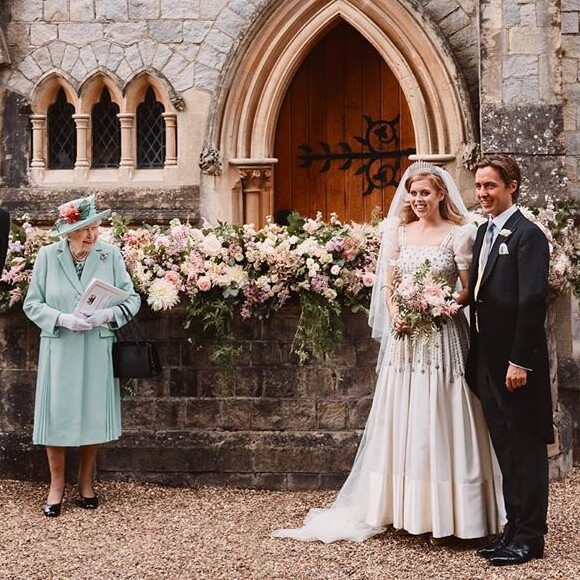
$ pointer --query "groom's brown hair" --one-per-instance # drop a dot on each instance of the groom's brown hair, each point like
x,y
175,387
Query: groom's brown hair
x,y
507,168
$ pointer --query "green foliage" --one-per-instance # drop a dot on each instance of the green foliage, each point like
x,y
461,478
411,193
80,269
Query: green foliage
x,y
210,316
320,327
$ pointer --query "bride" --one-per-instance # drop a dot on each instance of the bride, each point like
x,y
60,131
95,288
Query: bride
x,y
424,463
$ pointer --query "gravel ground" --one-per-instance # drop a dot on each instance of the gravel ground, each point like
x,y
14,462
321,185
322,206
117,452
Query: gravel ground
x,y
150,532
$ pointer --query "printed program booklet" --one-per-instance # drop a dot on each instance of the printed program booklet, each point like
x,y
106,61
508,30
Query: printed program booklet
x,y
98,295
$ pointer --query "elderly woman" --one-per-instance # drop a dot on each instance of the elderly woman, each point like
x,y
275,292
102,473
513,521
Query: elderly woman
x,y
77,397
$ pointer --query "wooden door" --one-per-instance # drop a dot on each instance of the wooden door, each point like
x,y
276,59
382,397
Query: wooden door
x,y
336,152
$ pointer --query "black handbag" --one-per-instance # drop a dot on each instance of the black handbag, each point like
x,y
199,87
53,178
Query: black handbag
x,y
136,358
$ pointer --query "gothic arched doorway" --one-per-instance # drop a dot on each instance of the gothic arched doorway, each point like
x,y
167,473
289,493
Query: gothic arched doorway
x,y
244,124
344,132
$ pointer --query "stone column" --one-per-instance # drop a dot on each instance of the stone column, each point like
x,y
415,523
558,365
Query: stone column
x,y
256,177
38,133
38,163
82,161
170,139
127,163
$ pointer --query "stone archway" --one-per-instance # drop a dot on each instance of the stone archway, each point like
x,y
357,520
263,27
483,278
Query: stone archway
x,y
243,128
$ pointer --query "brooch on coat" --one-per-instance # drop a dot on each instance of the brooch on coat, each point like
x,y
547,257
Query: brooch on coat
x,y
104,256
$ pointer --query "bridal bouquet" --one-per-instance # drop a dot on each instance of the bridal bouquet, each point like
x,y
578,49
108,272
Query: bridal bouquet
x,y
424,302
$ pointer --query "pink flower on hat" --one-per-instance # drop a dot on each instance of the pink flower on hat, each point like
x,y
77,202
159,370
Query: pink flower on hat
x,y
70,213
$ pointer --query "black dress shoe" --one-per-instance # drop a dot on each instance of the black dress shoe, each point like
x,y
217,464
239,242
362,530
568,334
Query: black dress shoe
x,y
88,503
515,553
501,542
52,510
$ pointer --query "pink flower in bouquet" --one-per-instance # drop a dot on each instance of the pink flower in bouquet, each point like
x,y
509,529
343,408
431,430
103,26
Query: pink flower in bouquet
x,y
434,295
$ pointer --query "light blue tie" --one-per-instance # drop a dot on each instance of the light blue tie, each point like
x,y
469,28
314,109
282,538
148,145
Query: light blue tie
x,y
486,248
484,254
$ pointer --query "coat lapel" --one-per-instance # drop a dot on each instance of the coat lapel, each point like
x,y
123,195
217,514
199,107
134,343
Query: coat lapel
x,y
91,264
494,253
66,262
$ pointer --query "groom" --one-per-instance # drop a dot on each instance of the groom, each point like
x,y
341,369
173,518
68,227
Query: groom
x,y
507,366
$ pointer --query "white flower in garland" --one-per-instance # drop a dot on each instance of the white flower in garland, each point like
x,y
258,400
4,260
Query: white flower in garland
x,y
163,295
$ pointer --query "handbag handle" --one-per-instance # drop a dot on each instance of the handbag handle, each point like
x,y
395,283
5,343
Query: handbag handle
x,y
131,325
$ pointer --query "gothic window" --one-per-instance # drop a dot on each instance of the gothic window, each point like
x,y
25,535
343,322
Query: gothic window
x,y
106,130
150,132
62,144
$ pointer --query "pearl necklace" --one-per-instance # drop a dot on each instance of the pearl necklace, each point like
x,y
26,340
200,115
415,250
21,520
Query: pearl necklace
x,y
76,258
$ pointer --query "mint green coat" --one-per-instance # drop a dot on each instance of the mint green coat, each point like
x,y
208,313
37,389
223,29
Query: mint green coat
x,y
77,397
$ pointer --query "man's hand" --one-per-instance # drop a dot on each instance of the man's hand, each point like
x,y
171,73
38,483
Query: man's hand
x,y
515,378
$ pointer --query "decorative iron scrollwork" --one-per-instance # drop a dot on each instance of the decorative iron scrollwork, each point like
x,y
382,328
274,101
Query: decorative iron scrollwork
x,y
380,167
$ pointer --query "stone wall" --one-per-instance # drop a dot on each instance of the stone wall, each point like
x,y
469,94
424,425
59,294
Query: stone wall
x,y
274,425
521,97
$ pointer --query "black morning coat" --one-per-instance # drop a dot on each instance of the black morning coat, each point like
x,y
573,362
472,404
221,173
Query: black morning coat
x,y
510,310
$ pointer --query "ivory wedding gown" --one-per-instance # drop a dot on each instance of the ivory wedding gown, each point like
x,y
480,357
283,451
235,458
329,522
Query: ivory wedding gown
x,y
425,463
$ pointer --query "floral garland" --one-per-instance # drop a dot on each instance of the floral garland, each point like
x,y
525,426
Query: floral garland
x,y
222,271
218,272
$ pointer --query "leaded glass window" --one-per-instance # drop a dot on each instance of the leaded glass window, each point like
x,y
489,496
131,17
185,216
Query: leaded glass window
x,y
61,129
106,132
150,132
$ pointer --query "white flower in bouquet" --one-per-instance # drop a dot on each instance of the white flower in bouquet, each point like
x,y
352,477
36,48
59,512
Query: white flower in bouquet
x,y
163,294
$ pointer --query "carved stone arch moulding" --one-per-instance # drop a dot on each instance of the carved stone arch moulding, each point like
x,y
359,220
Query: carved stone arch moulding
x,y
259,73
91,88
137,85
46,89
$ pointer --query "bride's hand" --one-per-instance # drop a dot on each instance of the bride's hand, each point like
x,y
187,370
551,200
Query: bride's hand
x,y
399,326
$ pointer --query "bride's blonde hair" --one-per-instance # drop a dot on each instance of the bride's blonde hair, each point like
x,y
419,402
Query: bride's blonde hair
x,y
447,208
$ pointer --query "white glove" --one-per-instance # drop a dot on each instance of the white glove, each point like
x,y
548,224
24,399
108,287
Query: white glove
x,y
100,317
72,322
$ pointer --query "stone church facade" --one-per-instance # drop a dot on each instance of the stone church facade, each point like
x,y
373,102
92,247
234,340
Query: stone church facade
x,y
236,109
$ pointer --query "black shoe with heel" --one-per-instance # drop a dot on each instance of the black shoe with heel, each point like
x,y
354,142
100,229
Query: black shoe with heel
x,y
52,510
88,503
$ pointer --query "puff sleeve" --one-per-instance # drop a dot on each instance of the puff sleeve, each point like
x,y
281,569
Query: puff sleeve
x,y
463,246
391,242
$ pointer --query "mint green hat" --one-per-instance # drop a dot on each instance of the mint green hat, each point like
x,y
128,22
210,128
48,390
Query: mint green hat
x,y
76,215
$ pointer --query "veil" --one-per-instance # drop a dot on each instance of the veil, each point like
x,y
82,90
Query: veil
x,y
346,518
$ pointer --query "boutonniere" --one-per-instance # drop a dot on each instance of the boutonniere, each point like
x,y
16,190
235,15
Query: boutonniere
x,y
104,256
505,233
